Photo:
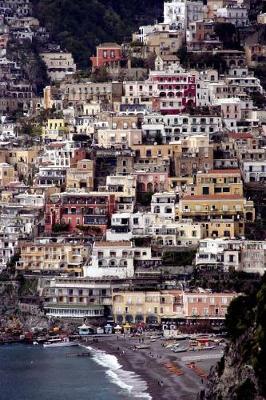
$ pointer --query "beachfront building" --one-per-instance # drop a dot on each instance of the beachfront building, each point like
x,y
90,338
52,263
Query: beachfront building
x,y
152,307
76,298
203,305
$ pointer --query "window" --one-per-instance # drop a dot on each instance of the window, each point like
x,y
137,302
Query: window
x,y
205,190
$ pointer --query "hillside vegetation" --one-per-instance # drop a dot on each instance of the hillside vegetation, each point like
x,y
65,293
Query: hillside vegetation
x,y
241,374
82,24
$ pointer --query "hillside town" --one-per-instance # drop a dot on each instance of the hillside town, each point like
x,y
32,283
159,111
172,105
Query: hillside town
x,y
125,192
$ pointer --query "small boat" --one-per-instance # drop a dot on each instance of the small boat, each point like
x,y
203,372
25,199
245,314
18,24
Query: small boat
x,y
180,349
60,342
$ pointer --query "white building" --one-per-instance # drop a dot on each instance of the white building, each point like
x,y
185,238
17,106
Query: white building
x,y
8,246
180,13
120,227
254,171
241,255
143,33
164,205
31,200
111,259
234,14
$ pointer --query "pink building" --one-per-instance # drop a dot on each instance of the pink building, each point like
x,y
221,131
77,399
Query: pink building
x,y
151,181
173,92
206,305
107,55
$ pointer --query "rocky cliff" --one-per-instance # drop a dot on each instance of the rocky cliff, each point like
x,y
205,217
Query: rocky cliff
x,y
241,373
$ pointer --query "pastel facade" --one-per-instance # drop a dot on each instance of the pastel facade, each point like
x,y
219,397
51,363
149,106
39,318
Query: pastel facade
x,y
153,307
59,65
107,55
219,182
90,210
118,138
7,174
241,255
81,176
216,206
49,257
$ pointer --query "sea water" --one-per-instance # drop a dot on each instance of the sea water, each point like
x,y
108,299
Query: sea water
x,y
37,373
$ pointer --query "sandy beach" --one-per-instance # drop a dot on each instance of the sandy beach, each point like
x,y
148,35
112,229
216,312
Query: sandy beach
x,y
169,376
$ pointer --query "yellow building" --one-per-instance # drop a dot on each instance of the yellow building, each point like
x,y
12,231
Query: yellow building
x,y
25,156
153,158
57,257
218,228
222,182
204,207
148,307
82,176
55,129
7,174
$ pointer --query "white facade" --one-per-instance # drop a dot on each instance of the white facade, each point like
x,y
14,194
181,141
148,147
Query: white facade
x,y
31,200
111,259
8,246
236,15
179,13
254,171
175,13
164,204
143,33
241,255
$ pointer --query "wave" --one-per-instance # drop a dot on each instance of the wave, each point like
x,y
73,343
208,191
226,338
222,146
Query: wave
x,y
127,380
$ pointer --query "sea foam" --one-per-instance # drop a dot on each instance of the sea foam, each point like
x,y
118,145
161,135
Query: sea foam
x,y
127,380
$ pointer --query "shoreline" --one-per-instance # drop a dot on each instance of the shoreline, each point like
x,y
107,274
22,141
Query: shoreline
x,y
150,365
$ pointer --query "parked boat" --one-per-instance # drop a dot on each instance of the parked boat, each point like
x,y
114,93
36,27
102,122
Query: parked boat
x,y
59,342
180,349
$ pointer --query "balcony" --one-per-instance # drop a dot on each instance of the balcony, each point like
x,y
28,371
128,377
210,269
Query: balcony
x,y
95,220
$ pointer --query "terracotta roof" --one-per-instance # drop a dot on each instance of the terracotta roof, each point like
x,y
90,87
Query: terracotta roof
x,y
121,243
214,197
